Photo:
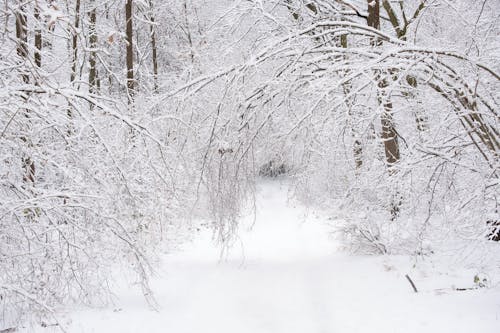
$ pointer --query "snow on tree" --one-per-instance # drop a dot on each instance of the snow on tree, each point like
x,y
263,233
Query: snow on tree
x,y
120,119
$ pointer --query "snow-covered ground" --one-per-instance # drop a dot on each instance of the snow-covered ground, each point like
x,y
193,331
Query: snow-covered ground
x,y
287,275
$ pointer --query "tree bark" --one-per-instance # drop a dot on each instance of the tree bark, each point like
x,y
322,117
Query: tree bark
x,y
22,52
74,42
130,49
93,49
389,134
153,46
22,38
38,36
373,18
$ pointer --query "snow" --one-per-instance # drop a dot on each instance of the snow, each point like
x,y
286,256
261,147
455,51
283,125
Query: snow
x,y
287,274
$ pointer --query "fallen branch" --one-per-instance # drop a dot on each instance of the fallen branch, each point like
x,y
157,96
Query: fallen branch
x,y
412,284
9,330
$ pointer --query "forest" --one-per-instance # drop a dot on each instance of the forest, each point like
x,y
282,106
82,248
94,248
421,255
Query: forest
x,y
130,127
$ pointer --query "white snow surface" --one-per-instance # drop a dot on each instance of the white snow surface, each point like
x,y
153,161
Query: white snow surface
x,y
287,274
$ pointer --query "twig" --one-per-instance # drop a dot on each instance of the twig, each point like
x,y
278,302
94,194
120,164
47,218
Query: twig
x,y
412,284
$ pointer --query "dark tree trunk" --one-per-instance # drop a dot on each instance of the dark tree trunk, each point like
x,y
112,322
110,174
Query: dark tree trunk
x,y
389,134
153,46
74,42
373,19
93,50
38,36
130,49
22,52
22,38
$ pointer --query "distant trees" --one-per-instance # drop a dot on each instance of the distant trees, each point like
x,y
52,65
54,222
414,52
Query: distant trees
x,y
337,67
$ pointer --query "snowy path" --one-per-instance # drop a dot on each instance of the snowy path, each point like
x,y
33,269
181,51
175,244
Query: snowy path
x,y
292,280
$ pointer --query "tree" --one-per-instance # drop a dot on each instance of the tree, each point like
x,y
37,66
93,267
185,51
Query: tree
x,y
93,79
388,132
74,42
22,37
328,89
89,201
22,52
298,80
38,36
154,49
389,135
130,48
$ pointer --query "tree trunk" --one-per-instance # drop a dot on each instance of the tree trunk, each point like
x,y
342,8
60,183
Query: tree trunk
x,y
22,52
373,18
93,50
74,42
38,36
22,38
389,134
153,46
130,50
